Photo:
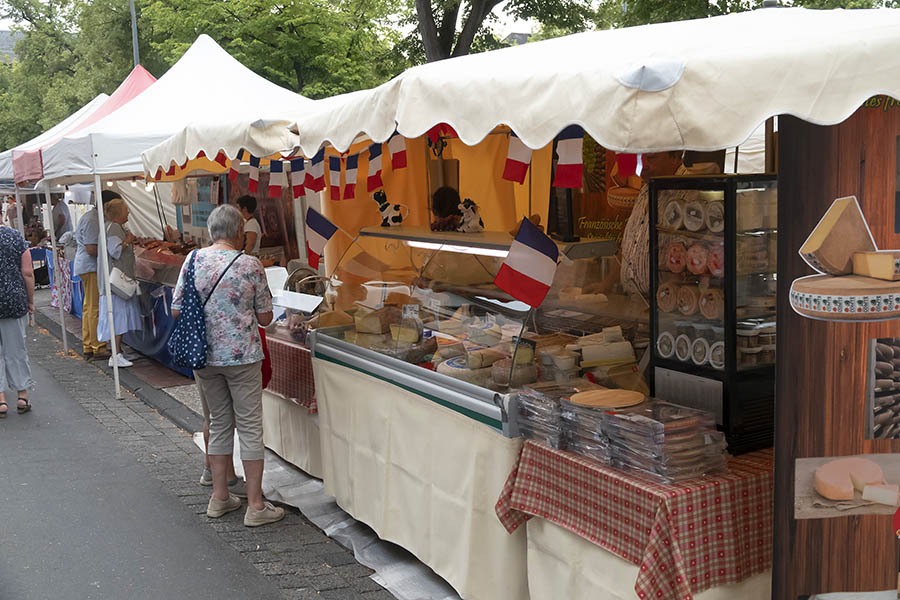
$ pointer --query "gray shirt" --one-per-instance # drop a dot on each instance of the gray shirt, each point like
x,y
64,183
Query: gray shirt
x,y
86,232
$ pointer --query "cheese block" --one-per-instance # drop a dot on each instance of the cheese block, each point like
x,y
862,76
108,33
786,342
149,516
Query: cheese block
x,y
882,494
840,234
376,321
837,479
448,348
595,355
409,330
457,369
523,352
884,264
845,298
450,326
485,357
522,374
607,398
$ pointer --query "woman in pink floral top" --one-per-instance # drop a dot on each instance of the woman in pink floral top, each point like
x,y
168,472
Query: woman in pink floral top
x,y
231,384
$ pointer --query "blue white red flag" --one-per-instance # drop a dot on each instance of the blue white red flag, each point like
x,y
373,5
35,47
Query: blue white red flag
x,y
334,176
233,168
397,146
518,157
318,231
373,182
570,167
315,176
298,176
350,176
277,178
253,186
527,272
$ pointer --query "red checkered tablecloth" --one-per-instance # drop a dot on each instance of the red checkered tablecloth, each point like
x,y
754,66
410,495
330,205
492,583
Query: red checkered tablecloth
x,y
292,373
686,537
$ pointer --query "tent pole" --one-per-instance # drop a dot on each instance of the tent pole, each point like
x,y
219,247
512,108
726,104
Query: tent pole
x,y
103,267
56,271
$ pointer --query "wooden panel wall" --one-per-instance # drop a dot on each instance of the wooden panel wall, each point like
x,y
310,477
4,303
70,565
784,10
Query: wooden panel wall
x,y
820,401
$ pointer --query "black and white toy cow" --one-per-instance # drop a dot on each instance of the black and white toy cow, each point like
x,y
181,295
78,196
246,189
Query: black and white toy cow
x,y
391,214
471,221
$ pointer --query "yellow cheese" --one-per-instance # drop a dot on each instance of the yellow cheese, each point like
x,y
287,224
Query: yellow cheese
x,y
479,359
880,265
840,234
409,331
524,354
837,479
376,321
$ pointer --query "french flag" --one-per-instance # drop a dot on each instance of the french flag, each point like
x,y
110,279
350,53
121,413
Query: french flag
x,y
569,168
629,164
233,168
318,231
374,180
527,272
350,176
315,176
298,176
334,176
253,186
397,146
277,178
518,157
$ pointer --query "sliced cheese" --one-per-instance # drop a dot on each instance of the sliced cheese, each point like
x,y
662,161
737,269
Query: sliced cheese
x,y
880,265
478,359
841,233
837,479
882,494
524,353
410,330
376,321
594,355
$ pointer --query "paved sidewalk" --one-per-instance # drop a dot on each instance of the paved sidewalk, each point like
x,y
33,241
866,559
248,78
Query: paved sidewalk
x,y
105,489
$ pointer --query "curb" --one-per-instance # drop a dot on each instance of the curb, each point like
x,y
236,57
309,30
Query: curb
x,y
165,404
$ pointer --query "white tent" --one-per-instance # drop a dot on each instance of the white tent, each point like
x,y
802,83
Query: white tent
x,y
702,85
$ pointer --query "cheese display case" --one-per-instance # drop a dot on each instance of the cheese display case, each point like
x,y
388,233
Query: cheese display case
x,y
714,252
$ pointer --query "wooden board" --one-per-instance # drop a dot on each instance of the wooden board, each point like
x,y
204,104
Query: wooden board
x,y
845,298
820,406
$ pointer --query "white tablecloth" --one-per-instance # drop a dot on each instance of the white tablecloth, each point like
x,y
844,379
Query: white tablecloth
x,y
292,433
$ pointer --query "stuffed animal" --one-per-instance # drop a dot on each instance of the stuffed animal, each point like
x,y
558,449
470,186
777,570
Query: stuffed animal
x,y
391,214
471,221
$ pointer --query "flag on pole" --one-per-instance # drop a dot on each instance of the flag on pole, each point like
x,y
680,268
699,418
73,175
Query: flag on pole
x,y
569,168
253,186
334,176
397,146
277,178
527,272
318,231
315,176
350,176
518,157
373,182
298,176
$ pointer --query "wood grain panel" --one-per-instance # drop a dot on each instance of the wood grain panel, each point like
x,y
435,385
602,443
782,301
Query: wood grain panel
x,y
820,388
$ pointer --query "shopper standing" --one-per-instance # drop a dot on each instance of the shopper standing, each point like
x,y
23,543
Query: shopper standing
x,y
87,235
252,230
16,303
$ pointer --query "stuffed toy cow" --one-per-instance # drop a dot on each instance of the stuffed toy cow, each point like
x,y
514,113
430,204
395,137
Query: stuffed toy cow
x,y
391,214
471,221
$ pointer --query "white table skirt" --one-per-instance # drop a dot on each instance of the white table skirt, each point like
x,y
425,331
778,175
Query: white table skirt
x,y
422,476
564,565
292,433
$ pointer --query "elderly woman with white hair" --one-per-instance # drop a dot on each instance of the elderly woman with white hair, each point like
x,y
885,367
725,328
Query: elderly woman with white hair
x,y
120,250
237,301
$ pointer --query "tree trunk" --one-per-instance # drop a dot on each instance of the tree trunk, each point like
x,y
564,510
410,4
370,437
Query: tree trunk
x,y
428,31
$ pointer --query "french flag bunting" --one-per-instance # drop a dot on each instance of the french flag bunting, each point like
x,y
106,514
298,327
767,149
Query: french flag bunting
x,y
569,168
318,231
277,178
253,186
527,272
397,146
350,176
233,168
298,176
334,176
518,157
315,175
374,180
629,164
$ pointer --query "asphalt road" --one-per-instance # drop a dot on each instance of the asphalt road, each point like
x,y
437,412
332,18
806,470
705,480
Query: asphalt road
x,y
80,518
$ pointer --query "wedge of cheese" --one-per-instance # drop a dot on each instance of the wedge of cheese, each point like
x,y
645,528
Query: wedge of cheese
x,y
376,321
882,494
884,264
840,234
485,357
837,479
408,330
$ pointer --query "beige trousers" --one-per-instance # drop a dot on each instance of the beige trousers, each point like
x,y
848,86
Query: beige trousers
x,y
233,397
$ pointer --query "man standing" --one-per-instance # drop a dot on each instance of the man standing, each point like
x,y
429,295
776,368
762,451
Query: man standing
x,y
62,220
87,235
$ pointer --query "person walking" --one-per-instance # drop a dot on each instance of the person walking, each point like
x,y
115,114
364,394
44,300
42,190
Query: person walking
x,y
126,311
16,303
87,236
237,301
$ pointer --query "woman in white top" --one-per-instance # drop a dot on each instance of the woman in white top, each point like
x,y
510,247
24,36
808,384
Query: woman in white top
x,y
252,231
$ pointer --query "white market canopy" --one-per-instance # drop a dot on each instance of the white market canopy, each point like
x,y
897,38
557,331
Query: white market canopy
x,y
205,85
704,85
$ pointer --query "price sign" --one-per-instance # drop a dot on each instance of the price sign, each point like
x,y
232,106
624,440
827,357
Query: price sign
x,y
410,311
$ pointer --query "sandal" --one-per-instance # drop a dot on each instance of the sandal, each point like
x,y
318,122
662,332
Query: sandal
x,y
3,414
23,409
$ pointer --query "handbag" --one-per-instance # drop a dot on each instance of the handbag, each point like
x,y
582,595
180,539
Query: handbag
x,y
121,284
187,344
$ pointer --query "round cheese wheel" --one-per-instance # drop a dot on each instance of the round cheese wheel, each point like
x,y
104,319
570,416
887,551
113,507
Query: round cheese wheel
x,y
717,355
700,352
666,296
715,217
845,298
712,304
672,215
715,261
676,257
523,374
697,256
688,299
683,348
607,398
665,344
694,216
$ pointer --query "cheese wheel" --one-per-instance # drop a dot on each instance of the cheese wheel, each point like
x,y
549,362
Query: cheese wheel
x,y
683,348
666,296
523,374
672,215
845,298
837,479
700,352
694,216
842,232
457,369
665,344
688,299
712,304
715,217
485,357
697,256
676,257
715,261
717,355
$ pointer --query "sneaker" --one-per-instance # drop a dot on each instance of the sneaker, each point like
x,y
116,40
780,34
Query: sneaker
x,y
120,360
238,487
217,508
206,478
269,514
